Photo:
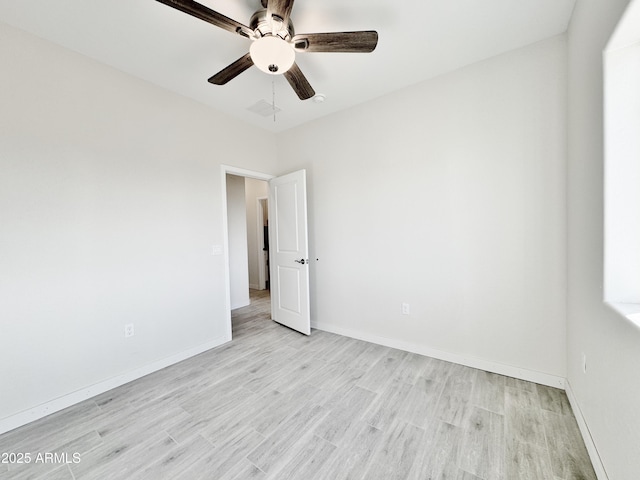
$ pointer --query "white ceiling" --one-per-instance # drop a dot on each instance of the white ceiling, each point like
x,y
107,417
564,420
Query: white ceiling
x,y
418,39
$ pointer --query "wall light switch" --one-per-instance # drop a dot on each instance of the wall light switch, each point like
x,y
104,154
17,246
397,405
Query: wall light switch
x,y
217,250
406,309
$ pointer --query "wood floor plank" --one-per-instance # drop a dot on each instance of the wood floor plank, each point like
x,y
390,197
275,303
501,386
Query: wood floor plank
x,y
66,452
381,373
554,400
437,369
369,357
440,453
277,448
489,392
397,452
60,473
343,413
38,471
462,475
523,417
314,344
243,471
308,462
527,461
218,394
228,454
385,409
352,461
569,456
333,376
412,367
122,458
49,432
355,349
303,372
455,400
482,451
119,425
333,349
271,360
420,405
217,428
520,384
81,445
178,459
275,376
266,416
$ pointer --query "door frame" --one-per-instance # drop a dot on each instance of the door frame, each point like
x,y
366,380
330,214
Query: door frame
x,y
262,269
241,172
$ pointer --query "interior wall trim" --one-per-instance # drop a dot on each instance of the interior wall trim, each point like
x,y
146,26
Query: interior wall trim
x,y
469,361
27,416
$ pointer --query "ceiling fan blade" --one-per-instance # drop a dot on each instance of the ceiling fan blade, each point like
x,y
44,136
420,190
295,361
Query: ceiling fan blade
x,y
299,82
280,8
346,42
205,13
232,71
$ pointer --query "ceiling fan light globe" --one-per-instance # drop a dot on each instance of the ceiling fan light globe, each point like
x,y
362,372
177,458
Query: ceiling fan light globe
x,y
272,55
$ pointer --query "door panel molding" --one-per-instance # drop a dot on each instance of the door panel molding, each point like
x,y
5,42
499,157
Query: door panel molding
x,y
289,247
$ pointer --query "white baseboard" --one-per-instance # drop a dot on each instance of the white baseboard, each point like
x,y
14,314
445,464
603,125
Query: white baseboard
x,y
254,286
27,416
240,304
596,461
487,365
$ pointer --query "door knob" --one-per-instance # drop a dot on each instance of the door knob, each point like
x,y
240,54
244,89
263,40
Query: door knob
x,y
302,261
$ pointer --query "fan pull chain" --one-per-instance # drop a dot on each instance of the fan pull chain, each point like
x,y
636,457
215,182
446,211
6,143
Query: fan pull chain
x,y
273,98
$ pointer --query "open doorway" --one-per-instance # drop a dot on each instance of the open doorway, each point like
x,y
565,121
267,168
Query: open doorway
x,y
288,252
247,237
257,207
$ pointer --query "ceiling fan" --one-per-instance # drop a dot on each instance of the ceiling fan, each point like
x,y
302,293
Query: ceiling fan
x,y
274,42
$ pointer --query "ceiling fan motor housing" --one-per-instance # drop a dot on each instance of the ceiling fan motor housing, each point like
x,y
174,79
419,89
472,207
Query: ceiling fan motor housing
x,y
261,26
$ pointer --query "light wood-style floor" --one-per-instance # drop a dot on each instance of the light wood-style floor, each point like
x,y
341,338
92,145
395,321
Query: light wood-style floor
x,y
274,404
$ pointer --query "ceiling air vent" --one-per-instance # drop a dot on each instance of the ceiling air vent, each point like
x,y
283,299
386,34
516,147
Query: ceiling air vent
x,y
263,108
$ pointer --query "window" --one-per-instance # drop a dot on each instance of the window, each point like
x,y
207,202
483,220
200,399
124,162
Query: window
x,y
622,166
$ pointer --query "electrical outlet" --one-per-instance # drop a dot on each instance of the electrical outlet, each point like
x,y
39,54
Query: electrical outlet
x,y
406,309
584,363
128,330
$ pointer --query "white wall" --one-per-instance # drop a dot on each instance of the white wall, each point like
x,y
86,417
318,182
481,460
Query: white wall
x,y
450,196
237,231
609,393
254,189
110,202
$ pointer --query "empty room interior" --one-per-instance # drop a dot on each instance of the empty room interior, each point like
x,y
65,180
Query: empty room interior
x,y
471,231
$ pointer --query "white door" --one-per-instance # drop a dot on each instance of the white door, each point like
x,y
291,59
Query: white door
x,y
289,251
